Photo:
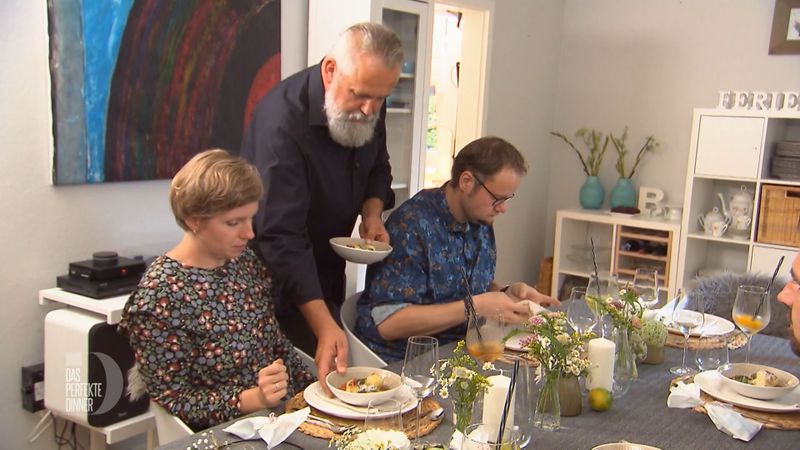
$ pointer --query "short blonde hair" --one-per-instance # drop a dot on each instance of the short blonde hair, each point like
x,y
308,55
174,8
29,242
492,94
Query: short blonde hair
x,y
212,182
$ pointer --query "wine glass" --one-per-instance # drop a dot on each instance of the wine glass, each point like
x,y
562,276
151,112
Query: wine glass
x,y
384,415
485,334
751,311
581,317
483,436
645,283
688,316
421,369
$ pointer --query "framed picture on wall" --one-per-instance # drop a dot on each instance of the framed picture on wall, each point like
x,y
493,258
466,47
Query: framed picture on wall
x,y
785,37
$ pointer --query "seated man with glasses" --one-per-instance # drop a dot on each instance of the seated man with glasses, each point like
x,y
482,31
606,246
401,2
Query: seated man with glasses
x,y
790,296
442,239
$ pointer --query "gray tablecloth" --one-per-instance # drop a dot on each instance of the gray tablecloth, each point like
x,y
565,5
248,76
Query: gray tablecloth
x,y
640,416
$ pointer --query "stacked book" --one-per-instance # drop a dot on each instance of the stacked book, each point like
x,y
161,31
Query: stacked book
x,y
786,161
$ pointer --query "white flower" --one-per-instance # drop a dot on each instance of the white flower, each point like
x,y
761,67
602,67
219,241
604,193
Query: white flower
x,y
461,372
562,338
379,440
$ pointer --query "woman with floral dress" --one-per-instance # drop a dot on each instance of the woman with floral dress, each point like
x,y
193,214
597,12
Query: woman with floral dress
x,y
201,322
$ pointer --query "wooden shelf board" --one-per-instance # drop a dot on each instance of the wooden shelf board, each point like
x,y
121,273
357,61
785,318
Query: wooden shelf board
x,y
643,256
644,237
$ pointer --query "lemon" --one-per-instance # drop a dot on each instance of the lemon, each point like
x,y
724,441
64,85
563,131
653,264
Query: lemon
x,y
600,399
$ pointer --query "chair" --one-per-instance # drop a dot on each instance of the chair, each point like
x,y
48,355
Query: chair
x,y
360,354
308,360
168,427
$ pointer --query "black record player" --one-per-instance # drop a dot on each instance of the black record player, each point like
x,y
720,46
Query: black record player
x,y
105,275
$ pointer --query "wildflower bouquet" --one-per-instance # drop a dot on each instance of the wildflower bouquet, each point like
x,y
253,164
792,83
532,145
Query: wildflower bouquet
x,y
557,351
626,314
372,440
459,378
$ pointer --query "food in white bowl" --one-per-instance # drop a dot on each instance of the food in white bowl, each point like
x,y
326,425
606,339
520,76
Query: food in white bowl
x,y
360,251
358,385
624,446
757,381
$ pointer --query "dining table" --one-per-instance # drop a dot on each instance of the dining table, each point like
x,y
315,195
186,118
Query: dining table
x,y
640,416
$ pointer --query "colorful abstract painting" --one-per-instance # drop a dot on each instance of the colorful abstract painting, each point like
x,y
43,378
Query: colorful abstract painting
x,y
139,86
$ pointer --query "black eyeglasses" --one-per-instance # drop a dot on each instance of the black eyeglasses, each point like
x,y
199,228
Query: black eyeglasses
x,y
497,200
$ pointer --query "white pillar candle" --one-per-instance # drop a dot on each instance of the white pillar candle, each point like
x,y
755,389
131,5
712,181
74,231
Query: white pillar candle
x,y
494,400
601,364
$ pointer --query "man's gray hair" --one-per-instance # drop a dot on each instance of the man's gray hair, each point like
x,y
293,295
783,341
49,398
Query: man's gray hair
x,y
371,38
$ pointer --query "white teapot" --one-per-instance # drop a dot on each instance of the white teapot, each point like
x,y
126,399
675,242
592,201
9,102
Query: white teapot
x,y
714,221
741,203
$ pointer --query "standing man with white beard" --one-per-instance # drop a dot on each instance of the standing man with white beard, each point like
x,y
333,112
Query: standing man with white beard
x,y
319,141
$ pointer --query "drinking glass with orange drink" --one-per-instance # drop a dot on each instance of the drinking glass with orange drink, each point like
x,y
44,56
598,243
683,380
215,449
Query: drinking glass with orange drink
x,y
751,311
485,336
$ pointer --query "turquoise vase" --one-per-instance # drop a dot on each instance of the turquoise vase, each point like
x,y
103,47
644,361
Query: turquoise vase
x,y
592,193
623,193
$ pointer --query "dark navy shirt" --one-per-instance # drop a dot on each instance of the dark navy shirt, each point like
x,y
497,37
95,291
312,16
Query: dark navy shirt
x,y
314,188
424,268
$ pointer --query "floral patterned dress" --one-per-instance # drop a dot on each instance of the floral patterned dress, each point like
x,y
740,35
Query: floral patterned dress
x,y
200,336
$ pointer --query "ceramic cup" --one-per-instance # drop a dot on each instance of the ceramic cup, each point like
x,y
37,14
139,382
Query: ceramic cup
x,y
674,213
741,223
718,228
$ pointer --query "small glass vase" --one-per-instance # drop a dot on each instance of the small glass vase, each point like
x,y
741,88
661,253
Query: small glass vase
x,y
548,406
569,395
466,412
624,362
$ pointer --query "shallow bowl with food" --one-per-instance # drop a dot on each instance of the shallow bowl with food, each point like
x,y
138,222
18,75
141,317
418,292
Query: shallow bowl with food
x,y
624,446
359,250
732,378
384,383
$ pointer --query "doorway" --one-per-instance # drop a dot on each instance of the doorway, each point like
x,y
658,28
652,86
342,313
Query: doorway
x,y
459,60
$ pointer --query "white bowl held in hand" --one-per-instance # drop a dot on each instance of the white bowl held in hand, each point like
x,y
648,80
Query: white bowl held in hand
x,y
336,381
786,381
359,251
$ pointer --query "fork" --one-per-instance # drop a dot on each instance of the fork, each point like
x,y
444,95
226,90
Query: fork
x,y
323,422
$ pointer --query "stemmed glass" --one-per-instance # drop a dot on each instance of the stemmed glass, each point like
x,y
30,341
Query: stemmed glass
x,y
751,311
421,369
600,289
485,334
688,316
645,283
581,317
384,415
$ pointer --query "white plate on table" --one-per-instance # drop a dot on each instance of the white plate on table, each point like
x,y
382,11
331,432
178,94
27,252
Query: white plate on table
x,y
712,326
515,342
316,398
710,382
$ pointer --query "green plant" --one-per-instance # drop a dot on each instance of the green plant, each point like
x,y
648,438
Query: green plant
x,y
654,332
595,142
620,146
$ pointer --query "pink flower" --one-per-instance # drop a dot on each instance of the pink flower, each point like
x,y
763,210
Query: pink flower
x,y
537,320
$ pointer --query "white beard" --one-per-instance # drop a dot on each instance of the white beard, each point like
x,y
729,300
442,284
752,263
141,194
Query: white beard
x,y
348,129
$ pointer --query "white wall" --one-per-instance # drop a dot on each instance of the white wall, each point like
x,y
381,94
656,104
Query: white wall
x,y
647,64
44,227
555,65
521,96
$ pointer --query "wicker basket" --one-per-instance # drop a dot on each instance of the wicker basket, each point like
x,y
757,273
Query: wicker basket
x,y
779,215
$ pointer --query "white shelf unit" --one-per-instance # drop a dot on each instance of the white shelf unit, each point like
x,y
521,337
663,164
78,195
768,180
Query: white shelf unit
x,y
730,149
407,106
572,255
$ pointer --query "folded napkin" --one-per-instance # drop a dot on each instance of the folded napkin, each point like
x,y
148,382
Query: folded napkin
x,y
455,442
724,417
533,307
273,430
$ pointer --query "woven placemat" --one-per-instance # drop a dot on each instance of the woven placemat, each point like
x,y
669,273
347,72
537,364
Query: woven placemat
x,y
426,425
733,340
775,421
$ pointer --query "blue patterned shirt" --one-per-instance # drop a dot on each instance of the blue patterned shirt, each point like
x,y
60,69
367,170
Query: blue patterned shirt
x,y
430,249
